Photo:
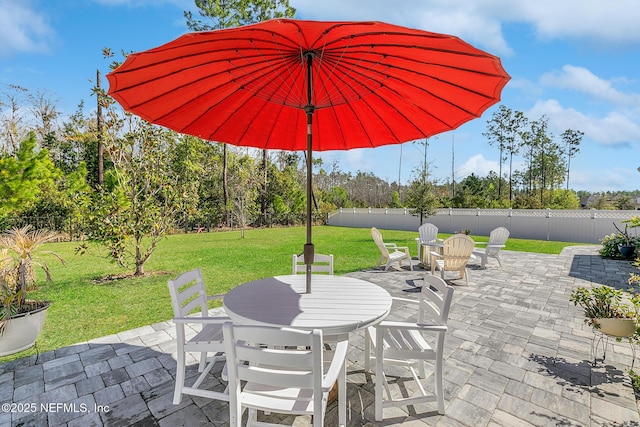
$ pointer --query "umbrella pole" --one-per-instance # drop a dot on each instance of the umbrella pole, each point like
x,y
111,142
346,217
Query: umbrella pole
x,y
309,109
308,247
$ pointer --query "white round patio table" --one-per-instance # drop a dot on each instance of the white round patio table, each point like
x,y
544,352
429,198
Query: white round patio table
x,y
336,305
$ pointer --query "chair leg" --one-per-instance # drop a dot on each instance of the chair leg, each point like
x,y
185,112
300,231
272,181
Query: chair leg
x,y
342,395
203,361
439,387
421,370
252,418
379,376
367,351
498,258
180,374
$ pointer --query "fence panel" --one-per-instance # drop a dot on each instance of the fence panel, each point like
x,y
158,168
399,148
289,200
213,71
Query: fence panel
x,y
581,226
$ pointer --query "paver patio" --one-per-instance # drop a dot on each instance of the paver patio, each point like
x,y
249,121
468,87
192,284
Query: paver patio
x,y
517,354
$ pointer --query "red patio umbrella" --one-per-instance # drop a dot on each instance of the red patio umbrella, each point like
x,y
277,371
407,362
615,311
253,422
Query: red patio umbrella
x,y
310,85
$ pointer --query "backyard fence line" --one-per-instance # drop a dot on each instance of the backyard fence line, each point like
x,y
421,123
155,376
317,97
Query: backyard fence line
x,y
580,226
75,228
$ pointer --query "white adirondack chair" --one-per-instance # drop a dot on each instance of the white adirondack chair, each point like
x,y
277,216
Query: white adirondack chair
x,y
497,240
428,234
456,252
390,252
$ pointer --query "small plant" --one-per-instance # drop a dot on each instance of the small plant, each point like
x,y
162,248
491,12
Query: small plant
x,y
632,222
601,302
463,231
18,259
612,243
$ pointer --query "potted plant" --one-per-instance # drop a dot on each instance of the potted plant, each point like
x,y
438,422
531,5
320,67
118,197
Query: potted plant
x,y
628,248
21,319
611,311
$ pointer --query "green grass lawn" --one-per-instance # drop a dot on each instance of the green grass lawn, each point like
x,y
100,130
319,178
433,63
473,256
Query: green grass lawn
x,y
84,307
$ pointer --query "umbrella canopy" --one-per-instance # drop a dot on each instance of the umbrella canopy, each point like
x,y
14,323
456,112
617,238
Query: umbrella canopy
x,y
310,85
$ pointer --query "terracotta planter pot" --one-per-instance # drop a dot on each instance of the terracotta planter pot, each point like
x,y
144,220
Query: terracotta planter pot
x,y
22,330
617,327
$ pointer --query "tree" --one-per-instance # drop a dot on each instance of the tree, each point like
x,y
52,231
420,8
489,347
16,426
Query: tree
x,y
497,134
503,130
421,196
23,175
140,203
571,139
244,191
564,199
233,13
14,128
44,110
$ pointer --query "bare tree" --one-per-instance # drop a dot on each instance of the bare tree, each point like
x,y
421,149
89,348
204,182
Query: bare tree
x,y
571,139
14,127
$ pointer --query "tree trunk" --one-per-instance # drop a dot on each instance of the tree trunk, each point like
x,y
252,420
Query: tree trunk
x,y
139,258
99,126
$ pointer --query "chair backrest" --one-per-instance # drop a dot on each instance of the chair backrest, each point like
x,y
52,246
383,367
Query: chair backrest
x,y
498,236
321,264
271,356
188,294
456,251
377,237
435,300
428,233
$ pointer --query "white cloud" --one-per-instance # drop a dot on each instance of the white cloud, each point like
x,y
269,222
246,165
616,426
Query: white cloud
x,y
477,165
604,180
22,29
604,23
465,20
583,80
614,128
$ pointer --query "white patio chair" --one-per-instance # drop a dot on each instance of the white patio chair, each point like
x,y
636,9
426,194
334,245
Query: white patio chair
x,y
428,234
321,264
456,252
390,252
187,298
409,343
283,370
497,240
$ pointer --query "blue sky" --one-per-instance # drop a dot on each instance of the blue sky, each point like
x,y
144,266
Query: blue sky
x,y
575,61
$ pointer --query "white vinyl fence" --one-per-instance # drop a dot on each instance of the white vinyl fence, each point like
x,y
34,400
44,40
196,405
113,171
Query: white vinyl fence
x,y
583,226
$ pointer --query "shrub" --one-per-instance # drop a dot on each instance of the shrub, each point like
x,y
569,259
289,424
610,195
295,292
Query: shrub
x,y
611,242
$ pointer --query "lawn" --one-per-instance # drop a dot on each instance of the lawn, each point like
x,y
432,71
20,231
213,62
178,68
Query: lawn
x,y
86,307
